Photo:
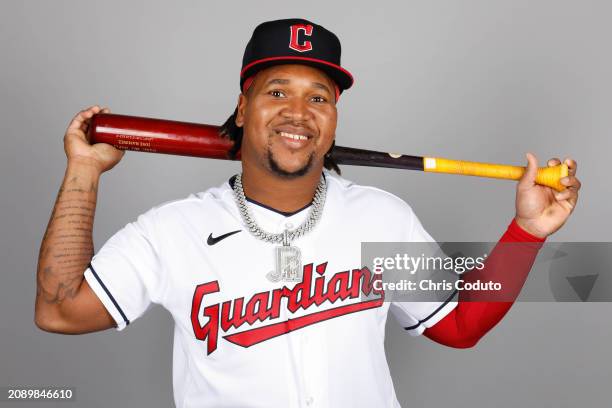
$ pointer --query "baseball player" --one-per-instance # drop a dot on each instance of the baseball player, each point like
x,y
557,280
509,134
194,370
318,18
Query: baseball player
x,y
262,274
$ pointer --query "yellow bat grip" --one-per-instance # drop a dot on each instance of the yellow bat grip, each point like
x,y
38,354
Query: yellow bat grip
x,y
547,176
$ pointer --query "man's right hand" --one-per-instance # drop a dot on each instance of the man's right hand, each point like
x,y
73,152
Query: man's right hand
x,y
78,149
65,303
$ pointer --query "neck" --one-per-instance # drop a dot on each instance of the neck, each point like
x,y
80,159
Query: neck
x,y
282,194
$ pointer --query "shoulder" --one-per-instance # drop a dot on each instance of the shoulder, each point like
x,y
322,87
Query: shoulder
x,y
372,199
196,205
383,216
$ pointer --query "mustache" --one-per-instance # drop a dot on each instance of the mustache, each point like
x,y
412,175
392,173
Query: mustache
x,y
295,123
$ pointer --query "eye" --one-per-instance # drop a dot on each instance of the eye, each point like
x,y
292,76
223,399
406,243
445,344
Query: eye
x,y
319,99
276,93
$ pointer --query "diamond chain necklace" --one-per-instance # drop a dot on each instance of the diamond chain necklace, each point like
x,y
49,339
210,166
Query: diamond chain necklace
x,y
288,257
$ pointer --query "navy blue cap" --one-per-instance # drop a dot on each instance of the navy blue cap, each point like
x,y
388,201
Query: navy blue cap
x,y
294,41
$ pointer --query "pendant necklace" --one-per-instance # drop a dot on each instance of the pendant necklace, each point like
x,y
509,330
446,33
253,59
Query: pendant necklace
x,y
288,262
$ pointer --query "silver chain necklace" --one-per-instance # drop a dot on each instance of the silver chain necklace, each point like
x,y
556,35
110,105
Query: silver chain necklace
x,y
288,257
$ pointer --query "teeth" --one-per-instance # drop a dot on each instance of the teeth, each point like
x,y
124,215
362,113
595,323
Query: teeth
x,y
292,136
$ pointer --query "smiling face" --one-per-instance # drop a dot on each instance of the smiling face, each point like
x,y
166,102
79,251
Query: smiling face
x,y
289,120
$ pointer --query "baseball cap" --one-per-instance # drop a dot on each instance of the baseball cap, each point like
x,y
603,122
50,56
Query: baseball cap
x,y
294,41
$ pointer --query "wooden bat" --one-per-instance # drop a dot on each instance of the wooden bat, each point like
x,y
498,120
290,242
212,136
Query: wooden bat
x,y
199,140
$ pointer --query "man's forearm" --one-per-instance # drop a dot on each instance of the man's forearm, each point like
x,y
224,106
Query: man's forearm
x,y
477,313
67,246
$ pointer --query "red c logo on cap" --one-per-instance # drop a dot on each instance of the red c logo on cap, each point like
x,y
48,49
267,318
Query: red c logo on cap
x,y
293,42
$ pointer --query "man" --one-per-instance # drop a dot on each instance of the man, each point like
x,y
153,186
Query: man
x,y
262,274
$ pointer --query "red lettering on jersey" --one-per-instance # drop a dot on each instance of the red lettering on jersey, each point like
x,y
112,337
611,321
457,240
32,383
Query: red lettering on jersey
x,y
294,43
233,313
211,328
251,337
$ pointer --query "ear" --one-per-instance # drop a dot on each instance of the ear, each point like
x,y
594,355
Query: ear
x,y
242,101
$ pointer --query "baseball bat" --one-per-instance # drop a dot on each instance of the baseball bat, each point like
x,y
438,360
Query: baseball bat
x,y
200,140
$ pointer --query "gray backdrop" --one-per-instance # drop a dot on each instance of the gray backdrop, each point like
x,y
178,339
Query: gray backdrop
x,y
475,80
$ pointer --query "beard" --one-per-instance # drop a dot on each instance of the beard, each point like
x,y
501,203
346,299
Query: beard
x,y
279,171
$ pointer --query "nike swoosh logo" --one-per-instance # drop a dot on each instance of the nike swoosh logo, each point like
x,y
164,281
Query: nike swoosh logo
x,y
213,240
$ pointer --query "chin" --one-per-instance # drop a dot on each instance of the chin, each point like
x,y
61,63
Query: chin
x,y
290,171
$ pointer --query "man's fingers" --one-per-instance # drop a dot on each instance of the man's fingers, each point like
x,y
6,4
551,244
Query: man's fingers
x,y
82,116
571,182
563,195
570,194
553,162
567,197
91,111
528,179
572,166
573,198
76,122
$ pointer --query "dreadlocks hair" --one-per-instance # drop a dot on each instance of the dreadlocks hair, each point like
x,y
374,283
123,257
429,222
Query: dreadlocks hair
x,y
234,132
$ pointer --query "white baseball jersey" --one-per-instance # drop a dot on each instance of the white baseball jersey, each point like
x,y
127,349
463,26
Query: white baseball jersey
x,y
241,340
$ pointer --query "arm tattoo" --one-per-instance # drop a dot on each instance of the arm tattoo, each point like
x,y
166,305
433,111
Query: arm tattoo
x,y
67,246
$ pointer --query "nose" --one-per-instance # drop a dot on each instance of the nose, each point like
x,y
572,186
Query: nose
x,y
296,109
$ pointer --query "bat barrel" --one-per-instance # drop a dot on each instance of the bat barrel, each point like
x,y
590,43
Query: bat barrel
x,y
159,136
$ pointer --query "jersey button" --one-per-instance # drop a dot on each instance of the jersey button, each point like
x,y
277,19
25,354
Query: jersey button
x,y
309,401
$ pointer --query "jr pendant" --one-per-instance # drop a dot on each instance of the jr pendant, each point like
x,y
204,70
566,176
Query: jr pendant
x,y
288,265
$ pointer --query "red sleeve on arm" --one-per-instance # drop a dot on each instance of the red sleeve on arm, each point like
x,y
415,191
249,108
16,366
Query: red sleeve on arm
x,y
507,264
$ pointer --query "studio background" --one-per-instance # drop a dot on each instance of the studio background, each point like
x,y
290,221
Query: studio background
x,y
473,80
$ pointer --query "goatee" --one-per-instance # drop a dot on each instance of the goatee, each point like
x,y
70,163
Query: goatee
x,y
276,169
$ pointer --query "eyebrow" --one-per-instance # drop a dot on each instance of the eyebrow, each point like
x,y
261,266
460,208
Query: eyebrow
x,y
279,81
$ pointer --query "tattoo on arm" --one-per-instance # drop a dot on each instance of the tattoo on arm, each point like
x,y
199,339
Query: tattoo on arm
x,y
65,288
67,246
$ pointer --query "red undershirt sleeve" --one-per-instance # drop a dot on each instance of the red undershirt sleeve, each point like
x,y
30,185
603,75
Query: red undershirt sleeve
x,y
508,264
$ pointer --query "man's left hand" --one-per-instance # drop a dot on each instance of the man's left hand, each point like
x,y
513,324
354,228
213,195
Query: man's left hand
x,y
541,210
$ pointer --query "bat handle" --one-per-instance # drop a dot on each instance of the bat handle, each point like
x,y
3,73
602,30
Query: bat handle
x,y
546,176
